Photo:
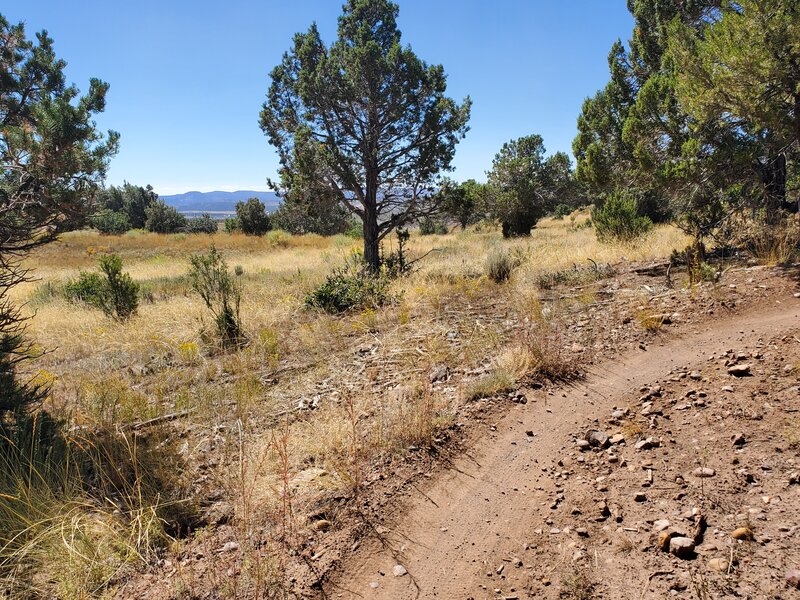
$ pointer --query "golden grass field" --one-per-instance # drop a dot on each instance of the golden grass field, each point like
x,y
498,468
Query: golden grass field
x,y
365,373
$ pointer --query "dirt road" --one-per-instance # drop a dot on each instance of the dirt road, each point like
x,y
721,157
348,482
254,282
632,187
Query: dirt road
x,y
465,533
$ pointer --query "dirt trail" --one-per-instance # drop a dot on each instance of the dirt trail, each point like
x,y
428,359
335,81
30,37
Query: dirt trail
x,y
483,509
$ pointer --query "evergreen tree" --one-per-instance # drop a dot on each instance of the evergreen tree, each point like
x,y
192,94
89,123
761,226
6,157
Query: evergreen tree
x,y
365,118
252,216
53,159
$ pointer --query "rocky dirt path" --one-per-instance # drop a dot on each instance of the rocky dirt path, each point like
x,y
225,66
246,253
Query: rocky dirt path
x,y
470,531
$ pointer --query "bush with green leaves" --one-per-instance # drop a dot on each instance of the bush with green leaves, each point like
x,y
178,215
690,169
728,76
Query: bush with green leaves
x,y
88,288
122,292
202,224
253,217
162,218
111,290
618,219
222,294
349,287
110,222
561,211
355,229
432,226
322,215
232,225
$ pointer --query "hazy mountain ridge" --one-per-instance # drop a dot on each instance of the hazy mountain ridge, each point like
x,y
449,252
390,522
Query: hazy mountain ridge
x,y
218,201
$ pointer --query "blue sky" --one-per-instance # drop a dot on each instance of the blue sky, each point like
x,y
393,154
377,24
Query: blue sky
x,y
188,77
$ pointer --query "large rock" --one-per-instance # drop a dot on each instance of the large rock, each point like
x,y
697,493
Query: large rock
x,y
719,564
682,547
742,370
597,439
704,472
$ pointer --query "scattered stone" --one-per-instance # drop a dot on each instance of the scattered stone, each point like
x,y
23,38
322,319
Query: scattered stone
x,y
617,438
793,575
321,525
663,540
399,571
598,439
640,497
726,388
229,547
704,472
661,525
682,547
738,439
582,445
439,373
582,531
743,533
695,375
646,444
500,569
742,370
719,564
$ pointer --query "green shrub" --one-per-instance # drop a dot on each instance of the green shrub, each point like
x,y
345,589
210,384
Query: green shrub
x,y
351,286
561,211
431,226
253,217
321,214
111,290
162,218
89,288
355,229
202,224
121,298
109,222
500,264
221,293
618,220
232,225
279,238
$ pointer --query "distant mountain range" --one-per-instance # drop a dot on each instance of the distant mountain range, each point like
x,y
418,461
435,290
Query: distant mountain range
x,y
215,202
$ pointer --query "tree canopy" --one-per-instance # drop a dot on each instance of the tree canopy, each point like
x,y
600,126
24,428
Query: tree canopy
x,y
524,185
365,118
53,159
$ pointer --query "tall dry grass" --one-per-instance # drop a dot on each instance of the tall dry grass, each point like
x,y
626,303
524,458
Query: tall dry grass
x,y
364,374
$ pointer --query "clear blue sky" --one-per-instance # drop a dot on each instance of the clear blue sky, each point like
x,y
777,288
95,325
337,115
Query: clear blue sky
x,y
188,77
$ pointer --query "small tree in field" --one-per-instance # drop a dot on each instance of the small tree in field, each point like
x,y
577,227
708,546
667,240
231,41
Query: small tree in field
x,y
252,216
221,293
365,118
524,186
162,218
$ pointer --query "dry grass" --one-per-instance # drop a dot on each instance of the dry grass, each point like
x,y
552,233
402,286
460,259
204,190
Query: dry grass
x,y
364,374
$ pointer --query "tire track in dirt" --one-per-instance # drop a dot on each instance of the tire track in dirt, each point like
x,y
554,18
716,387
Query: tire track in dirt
x,y
455,530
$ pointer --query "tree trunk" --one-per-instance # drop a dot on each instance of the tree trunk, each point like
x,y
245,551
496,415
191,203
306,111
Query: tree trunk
x,y
774,178
371,245
371,248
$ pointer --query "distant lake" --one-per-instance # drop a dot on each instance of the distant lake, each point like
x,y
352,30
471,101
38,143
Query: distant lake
x,y
219,215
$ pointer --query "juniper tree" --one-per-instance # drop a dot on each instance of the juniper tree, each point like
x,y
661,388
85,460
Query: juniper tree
x,y
53,159
365,118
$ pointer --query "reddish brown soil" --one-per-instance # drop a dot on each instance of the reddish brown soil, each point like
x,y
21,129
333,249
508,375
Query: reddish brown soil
x,y
505,504
521,512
